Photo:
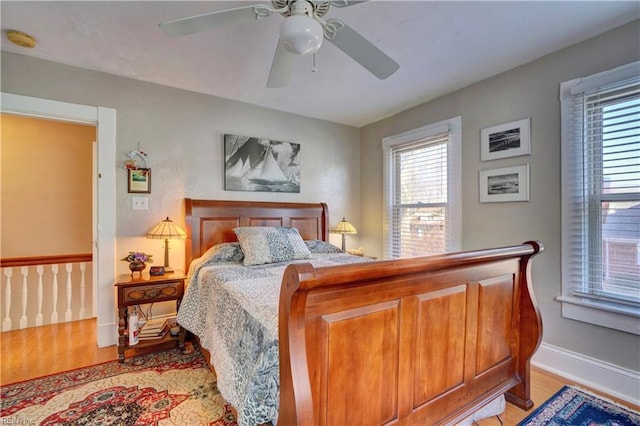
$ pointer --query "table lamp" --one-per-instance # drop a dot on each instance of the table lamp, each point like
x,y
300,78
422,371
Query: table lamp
x,y
344,228
167,230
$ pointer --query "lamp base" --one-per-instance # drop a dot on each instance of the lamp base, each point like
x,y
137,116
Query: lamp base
x,y
167,268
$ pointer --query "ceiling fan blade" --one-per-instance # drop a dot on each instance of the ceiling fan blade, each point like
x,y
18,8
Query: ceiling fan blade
x,y
360,49
207,21
345,3
281,67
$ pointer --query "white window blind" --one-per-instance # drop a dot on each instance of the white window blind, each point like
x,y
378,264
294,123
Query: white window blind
x,y
422,191
601,191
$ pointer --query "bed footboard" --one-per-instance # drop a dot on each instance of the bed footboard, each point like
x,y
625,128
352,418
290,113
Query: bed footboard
x,y
424,340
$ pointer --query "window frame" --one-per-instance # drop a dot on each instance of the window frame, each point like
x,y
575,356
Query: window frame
x,y
454,177
606,313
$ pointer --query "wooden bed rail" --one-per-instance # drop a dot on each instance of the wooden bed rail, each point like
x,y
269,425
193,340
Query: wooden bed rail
x,y
410,341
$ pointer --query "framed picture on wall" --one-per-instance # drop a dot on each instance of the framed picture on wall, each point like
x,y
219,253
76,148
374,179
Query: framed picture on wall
x,y
139,181
505,140
261,165
505,184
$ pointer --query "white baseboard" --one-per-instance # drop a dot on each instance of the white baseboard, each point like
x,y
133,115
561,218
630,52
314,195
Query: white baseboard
x,y
608,378
107,334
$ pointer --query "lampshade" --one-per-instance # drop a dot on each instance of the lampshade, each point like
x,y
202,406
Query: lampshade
x,y
167,230
301,34
344,228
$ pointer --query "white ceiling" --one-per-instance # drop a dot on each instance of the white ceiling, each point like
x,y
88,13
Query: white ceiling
x,y
441,46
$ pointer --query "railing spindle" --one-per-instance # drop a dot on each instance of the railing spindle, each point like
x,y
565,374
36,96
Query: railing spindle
x,y
68,313
24,270
54,314
6,323
39,318
83,313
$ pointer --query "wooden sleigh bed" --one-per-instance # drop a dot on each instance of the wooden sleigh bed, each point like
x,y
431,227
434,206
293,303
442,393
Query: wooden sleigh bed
x,y
427,340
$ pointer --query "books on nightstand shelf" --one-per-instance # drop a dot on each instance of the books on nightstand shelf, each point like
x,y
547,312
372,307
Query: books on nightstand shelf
x,y
156,328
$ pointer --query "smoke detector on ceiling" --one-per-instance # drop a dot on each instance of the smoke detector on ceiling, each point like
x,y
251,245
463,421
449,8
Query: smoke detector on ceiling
x,y
21,39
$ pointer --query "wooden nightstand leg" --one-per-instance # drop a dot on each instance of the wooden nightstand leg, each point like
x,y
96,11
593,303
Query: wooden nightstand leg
x,y
181,338
183,333
122,314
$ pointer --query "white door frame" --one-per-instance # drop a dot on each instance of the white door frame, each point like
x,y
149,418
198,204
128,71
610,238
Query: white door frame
x,y
104,214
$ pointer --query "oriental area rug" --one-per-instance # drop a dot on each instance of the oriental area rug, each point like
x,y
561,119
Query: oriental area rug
x,y
575,406
164,388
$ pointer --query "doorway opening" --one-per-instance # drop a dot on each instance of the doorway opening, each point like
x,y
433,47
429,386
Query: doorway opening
x,y
103,212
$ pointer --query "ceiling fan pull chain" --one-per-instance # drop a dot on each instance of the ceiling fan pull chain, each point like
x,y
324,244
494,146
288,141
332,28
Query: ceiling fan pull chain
x,y
313,66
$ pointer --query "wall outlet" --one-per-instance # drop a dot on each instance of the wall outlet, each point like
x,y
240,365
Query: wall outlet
x,y
139,203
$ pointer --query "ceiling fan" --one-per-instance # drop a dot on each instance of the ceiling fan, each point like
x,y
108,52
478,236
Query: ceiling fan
x,y
301,33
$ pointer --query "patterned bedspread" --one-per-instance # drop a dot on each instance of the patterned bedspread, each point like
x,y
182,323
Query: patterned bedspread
x,y
233,309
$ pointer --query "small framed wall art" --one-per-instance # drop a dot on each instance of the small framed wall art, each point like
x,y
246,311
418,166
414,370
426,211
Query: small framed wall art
x,y
139,181
505,184
505,140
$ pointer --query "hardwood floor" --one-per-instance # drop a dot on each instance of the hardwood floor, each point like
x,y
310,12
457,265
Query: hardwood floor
x,y
39,351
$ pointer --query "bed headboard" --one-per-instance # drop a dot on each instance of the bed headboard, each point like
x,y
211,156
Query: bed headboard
x,y
210,222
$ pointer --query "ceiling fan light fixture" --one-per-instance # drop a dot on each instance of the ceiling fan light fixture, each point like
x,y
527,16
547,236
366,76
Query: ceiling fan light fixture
x,y
301,34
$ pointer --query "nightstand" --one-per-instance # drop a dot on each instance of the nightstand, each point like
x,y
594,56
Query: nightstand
x,y
141,290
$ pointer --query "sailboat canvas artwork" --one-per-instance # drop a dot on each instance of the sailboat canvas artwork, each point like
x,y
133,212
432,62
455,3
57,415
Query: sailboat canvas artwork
x,y
258,164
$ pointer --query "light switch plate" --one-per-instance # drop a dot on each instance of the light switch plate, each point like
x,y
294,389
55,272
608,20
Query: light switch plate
x,y
139,203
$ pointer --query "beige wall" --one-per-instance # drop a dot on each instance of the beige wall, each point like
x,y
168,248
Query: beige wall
x,y
46,187
532,91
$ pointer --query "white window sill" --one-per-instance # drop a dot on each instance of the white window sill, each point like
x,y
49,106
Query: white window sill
x,y
605,314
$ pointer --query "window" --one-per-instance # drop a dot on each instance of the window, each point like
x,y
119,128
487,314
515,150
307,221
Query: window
x,y
601,198
422,190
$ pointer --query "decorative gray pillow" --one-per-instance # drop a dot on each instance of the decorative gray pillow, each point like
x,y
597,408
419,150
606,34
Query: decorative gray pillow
x,y
267,244
224,252
319,246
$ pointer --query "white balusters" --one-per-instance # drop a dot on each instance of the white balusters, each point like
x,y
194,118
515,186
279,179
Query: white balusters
x,y
38,295
24,270
6,322
83,313
40,271
67,314
54,290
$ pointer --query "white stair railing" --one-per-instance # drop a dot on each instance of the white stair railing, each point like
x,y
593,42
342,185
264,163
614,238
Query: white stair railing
x,y
40,296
